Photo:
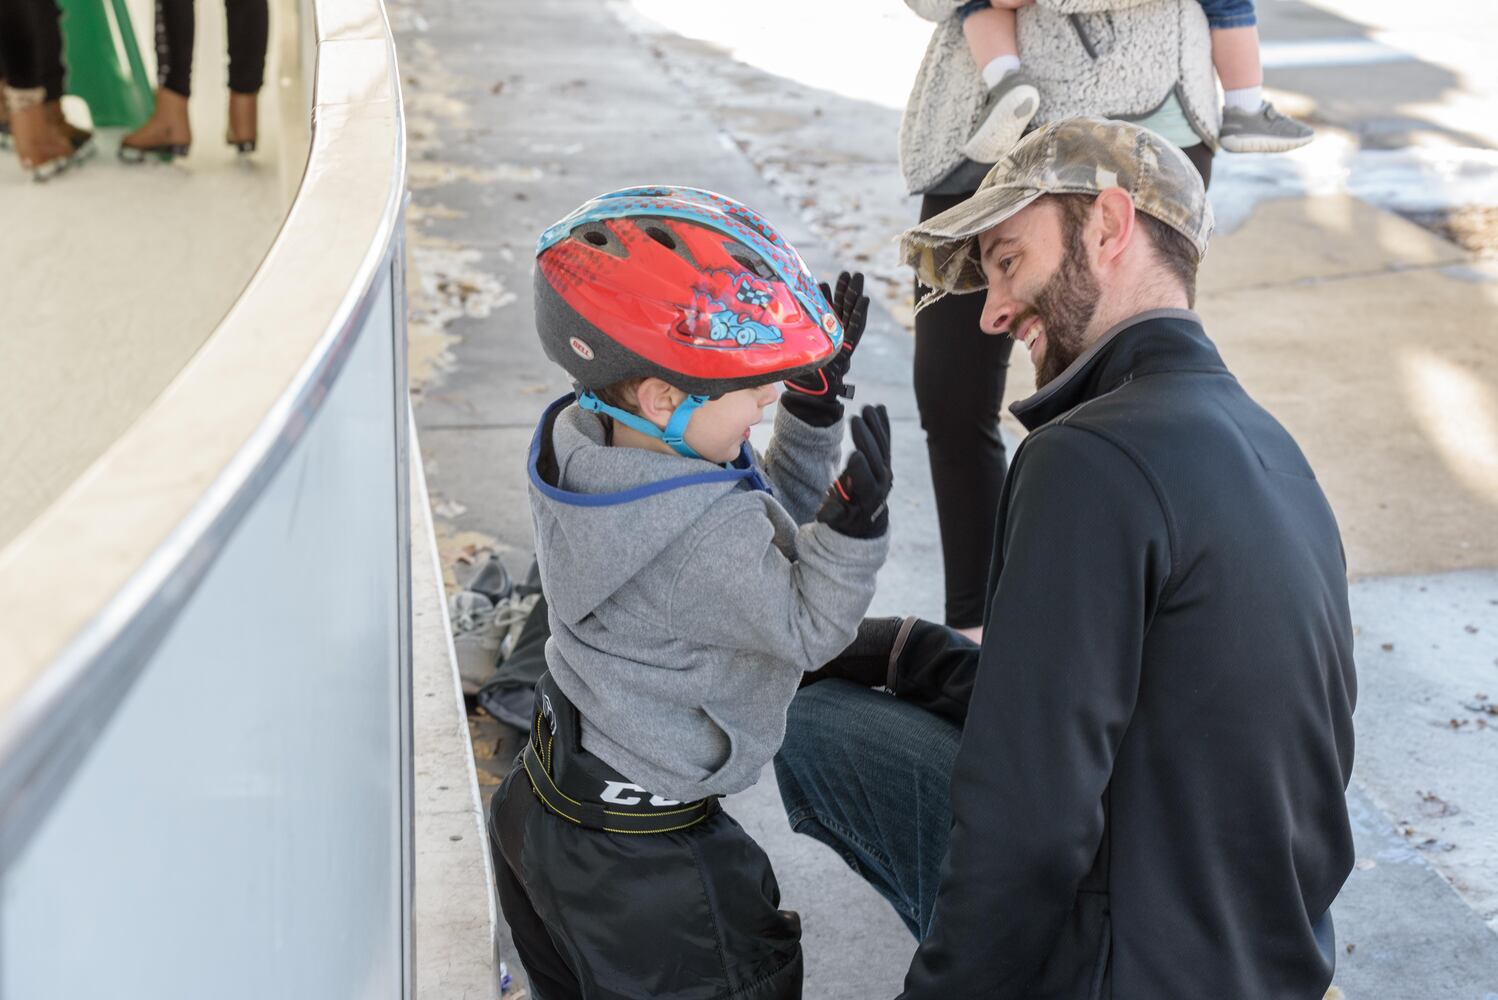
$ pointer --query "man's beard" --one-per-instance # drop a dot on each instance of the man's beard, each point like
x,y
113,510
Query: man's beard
x,y
1064,307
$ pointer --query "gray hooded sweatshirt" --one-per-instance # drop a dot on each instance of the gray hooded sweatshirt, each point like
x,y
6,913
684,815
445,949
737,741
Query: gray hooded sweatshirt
x,y
686,598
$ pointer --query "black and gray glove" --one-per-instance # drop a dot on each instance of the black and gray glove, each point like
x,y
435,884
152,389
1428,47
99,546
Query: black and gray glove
x,y
813,398
857,502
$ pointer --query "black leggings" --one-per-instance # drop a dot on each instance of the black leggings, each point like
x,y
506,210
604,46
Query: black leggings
x,y
959,387
249,33
31,46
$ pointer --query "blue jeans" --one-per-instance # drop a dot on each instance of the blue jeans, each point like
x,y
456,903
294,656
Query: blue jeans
x,y
1230,13
870,776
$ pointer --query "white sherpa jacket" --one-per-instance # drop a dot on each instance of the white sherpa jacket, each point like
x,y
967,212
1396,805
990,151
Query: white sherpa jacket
x,y
1115,58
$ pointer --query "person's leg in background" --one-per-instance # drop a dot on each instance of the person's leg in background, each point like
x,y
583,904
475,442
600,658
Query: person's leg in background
x,y
1250,124
959,388
1012,100
168,132
176,28
47,17
1200,156
18,65
1235,50
42,149
11,33
870,776
54,74
249,34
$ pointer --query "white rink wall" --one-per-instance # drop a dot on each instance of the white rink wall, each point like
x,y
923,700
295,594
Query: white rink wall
x,y
206,781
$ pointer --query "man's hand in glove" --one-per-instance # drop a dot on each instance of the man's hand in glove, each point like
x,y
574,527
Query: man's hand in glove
x,y
922,662
870,658
813,397
856,504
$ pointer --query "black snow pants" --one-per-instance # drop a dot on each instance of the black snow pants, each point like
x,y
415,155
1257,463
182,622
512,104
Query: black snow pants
x,y
690,912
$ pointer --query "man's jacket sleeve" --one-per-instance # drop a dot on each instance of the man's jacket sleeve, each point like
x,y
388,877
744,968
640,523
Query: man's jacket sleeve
x,y
1086,554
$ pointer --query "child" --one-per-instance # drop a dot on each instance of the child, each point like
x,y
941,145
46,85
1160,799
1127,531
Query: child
x,y
690,586
1250,124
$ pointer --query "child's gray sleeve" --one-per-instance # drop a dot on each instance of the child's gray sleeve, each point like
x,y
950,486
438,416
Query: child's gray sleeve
x,y
737,589
801,463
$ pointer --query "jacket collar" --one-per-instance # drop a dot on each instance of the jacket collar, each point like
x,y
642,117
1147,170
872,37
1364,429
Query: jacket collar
x,y
1160,340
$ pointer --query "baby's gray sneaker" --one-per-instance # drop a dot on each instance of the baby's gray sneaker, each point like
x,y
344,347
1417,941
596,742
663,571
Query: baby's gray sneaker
x,y
1011,103
1261,131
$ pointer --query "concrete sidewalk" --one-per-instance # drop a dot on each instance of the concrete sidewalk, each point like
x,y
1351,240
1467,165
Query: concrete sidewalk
x,y
1352,324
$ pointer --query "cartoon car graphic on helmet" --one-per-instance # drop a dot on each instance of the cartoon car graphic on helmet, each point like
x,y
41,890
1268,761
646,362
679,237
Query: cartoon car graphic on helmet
x,y
729,311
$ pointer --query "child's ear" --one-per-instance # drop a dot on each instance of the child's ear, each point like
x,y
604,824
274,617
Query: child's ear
x,y
657,400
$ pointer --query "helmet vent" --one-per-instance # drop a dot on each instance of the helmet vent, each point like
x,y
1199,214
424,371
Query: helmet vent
x,y
661,236
750,261
596,234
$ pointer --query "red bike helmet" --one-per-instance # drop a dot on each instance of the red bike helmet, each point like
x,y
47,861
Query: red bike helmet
x,y
681,284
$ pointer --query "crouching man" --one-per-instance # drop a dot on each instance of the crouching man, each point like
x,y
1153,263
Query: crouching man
x,y
1147,756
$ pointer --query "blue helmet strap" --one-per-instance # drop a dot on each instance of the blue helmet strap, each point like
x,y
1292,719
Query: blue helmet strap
x,y
676,428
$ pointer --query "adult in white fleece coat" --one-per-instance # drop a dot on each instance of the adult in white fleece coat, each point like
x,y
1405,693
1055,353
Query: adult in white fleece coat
x,y
1113,58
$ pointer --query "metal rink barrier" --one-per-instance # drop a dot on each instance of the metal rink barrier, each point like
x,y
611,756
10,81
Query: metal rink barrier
x,y
205,643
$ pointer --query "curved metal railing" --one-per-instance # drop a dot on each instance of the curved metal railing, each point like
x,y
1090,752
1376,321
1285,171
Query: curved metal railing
x,y
277,456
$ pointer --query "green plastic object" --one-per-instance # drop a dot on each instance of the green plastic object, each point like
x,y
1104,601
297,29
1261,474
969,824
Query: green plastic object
x,y
104,64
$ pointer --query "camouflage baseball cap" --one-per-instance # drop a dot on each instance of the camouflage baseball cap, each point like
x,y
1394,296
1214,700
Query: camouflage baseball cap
x,y
1070,156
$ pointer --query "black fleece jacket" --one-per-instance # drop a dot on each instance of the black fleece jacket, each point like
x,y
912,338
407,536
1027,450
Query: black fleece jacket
x,y
1149,799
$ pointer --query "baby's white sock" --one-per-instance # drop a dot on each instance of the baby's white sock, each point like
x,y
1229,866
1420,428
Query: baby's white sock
x,y
997,67
1244,99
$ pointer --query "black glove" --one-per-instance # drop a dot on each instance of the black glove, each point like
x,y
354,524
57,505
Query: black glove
x,y
813,398
856,502
866,660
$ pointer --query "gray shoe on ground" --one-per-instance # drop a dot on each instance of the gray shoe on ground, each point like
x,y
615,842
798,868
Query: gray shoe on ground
x,y
1261,131
1011,103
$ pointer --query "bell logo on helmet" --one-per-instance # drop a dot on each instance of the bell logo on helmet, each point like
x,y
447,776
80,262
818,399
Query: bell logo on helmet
x,y
829,322
580,348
